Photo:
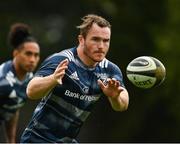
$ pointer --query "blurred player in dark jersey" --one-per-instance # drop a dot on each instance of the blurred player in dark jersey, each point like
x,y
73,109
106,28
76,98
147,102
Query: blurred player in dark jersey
x,y
14,77
71,82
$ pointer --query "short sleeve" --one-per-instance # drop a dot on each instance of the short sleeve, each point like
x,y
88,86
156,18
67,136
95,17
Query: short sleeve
x,y
49,65
116,73
5,87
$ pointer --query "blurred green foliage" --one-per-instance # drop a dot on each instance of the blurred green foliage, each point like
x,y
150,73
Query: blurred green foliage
x,y
139,28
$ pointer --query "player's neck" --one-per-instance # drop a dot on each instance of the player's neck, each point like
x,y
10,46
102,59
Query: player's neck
x,y
85,59
20,73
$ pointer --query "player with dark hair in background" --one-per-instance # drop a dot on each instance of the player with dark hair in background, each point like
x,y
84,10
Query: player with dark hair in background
x,y
70,83
14,77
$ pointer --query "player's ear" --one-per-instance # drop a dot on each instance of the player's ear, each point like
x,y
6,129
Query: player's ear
x,y
15,52
80,39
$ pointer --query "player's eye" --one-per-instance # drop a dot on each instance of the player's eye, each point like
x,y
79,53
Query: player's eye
x,y
105,40
96,39
28,53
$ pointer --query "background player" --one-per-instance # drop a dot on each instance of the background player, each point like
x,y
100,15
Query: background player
x,y
70,83
14,77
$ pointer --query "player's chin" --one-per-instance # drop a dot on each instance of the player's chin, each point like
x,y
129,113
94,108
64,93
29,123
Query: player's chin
x,y
30,68
99,58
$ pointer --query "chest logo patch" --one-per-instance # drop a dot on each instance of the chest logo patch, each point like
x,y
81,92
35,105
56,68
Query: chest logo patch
x,y
74,76
85,90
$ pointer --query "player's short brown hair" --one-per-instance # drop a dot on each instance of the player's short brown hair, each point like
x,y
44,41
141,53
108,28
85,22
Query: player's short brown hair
x,y
89,20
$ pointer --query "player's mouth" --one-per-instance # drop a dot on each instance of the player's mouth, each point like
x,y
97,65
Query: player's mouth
x,y
30,67
99,52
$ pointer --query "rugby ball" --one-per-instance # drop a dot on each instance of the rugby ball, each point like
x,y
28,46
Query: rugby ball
x,y
146,72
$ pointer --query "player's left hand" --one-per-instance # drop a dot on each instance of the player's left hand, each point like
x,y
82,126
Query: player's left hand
x,y
112,88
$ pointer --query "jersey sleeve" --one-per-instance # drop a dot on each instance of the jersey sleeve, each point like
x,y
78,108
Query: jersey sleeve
x,y
49,65
5,87
116,73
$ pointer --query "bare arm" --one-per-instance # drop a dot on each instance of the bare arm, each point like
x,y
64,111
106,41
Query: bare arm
x,y
117,95
121,102
39,87
11,128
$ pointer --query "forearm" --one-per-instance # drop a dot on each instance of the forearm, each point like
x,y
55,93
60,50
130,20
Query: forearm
x,y
11,127
39,87
121,102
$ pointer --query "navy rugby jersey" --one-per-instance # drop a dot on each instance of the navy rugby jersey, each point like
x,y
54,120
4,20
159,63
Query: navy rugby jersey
x,y
12,90
61,113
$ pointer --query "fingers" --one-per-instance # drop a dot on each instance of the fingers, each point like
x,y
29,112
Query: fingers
x,y
60,70
63,63
59,81
110,87
113,82
121,88
117,84
100,83
109,83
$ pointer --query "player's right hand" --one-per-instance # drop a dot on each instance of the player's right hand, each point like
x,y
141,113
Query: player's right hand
x,y
60,71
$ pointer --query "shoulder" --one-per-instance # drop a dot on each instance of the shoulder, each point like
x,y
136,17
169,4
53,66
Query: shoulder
x,y
104,63
57,57
5,68
50,63
6,78
68,53
107,64
112,70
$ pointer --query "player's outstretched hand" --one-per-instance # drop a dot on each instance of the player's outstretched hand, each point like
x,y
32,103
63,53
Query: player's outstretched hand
x,y
112,88
60,71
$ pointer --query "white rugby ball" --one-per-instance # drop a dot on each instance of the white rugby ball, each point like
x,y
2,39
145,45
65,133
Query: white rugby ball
x,y
146,72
